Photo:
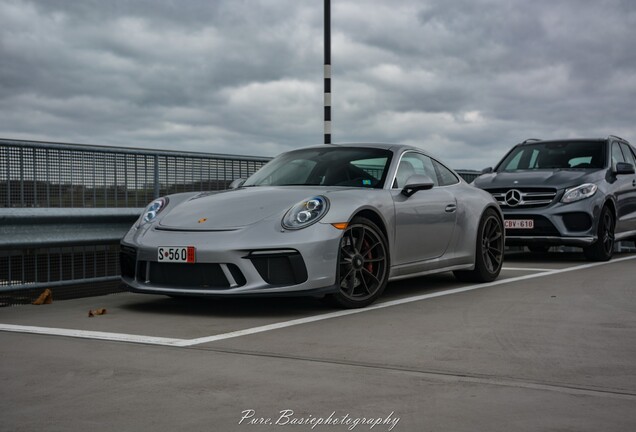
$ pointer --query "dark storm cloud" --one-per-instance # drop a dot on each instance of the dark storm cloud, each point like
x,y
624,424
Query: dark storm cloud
x,y
464,79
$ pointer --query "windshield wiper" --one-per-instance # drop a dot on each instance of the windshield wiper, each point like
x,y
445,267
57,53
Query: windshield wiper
x,y
298,184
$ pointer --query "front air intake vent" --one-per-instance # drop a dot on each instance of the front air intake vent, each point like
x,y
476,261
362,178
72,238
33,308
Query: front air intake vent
x,y
279,267
190,276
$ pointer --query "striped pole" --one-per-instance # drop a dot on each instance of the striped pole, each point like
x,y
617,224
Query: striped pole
x,y
327,71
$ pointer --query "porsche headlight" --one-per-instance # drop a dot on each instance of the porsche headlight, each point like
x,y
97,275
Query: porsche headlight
x,y
306,212
153,209
579,192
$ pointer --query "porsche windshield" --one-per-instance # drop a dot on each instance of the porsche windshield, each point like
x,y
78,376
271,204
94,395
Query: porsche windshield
x,y
329,166
555,155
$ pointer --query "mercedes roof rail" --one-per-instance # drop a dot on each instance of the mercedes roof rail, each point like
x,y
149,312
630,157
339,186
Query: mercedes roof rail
x,y
617,137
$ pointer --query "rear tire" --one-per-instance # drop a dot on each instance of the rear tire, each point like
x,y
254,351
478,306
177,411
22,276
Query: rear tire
x,y
603,248
363,265
489,250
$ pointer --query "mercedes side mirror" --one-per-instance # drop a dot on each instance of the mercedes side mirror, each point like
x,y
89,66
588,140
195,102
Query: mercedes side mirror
x,y
417,183
624,168
486,170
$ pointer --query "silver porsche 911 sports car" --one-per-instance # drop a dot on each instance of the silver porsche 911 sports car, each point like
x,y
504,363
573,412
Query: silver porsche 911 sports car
x,y
338,221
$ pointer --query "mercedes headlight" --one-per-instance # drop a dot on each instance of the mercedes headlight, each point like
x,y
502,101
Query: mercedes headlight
x,y
306,212
153,209
579,192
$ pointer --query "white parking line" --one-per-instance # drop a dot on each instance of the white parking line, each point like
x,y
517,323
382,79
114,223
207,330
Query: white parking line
x,y
122,337
526,269
84,334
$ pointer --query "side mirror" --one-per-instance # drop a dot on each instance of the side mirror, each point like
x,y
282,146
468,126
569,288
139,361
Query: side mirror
x,y
417,183
624,168
237,183
486,170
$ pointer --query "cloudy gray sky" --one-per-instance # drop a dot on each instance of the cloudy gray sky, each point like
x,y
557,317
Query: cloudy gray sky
x,y
464,79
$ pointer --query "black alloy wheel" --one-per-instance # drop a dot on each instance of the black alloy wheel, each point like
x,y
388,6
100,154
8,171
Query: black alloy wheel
x,y
492,244
363,265
603,248
489,251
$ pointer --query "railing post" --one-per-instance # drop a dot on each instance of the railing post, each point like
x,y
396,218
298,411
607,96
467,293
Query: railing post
x,y
8,160
22,177
327,72
156,177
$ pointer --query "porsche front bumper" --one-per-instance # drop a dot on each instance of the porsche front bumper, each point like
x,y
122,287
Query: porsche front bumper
x,y
254,260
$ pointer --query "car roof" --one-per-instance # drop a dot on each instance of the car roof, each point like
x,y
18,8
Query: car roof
x,y
528,142
600,140
396,148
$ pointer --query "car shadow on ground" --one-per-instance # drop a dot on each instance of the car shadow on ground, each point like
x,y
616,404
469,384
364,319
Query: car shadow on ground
x,y
419,286
254,307
543,257
276,307
561,254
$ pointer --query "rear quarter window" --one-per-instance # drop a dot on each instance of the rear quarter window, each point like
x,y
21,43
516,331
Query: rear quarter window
x,y
444,175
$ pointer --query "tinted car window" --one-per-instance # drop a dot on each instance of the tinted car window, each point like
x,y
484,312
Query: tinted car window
x,y
446,177
414,163
329,166
629,157
617,154
554,155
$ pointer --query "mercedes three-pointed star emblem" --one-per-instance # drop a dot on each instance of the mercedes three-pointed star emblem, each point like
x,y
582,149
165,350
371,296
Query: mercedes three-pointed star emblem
x,y
513,198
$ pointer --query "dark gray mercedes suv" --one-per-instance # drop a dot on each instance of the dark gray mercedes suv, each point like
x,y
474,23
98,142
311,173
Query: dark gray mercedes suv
x,y
577,192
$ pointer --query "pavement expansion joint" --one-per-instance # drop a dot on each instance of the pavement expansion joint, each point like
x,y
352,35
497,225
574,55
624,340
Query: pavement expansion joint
x,y
448,376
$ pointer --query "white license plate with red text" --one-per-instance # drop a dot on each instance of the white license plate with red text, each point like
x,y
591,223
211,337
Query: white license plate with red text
x,y
519,224
178,254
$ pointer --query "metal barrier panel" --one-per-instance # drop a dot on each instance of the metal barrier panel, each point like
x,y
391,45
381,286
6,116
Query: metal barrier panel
x,y
39,174
75,251
57,266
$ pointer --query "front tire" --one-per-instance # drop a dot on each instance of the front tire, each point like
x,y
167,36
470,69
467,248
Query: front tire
x,y
489,250
603,248
363,265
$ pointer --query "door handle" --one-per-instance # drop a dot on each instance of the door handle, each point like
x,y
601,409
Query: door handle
x,y
634,183
451,208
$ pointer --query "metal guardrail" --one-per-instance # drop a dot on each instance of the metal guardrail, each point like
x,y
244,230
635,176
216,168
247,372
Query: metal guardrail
x,y
38,227
64,207
42,174
44,248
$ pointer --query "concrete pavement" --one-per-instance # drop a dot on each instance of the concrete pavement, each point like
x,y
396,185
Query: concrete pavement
x,y
553,352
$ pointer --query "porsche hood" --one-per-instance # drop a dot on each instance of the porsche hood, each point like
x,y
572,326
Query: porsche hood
x,y
225,210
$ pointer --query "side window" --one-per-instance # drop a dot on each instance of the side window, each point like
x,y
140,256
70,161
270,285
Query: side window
x,y
445,176
411,164
617,155
514,163
533,159
629,157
